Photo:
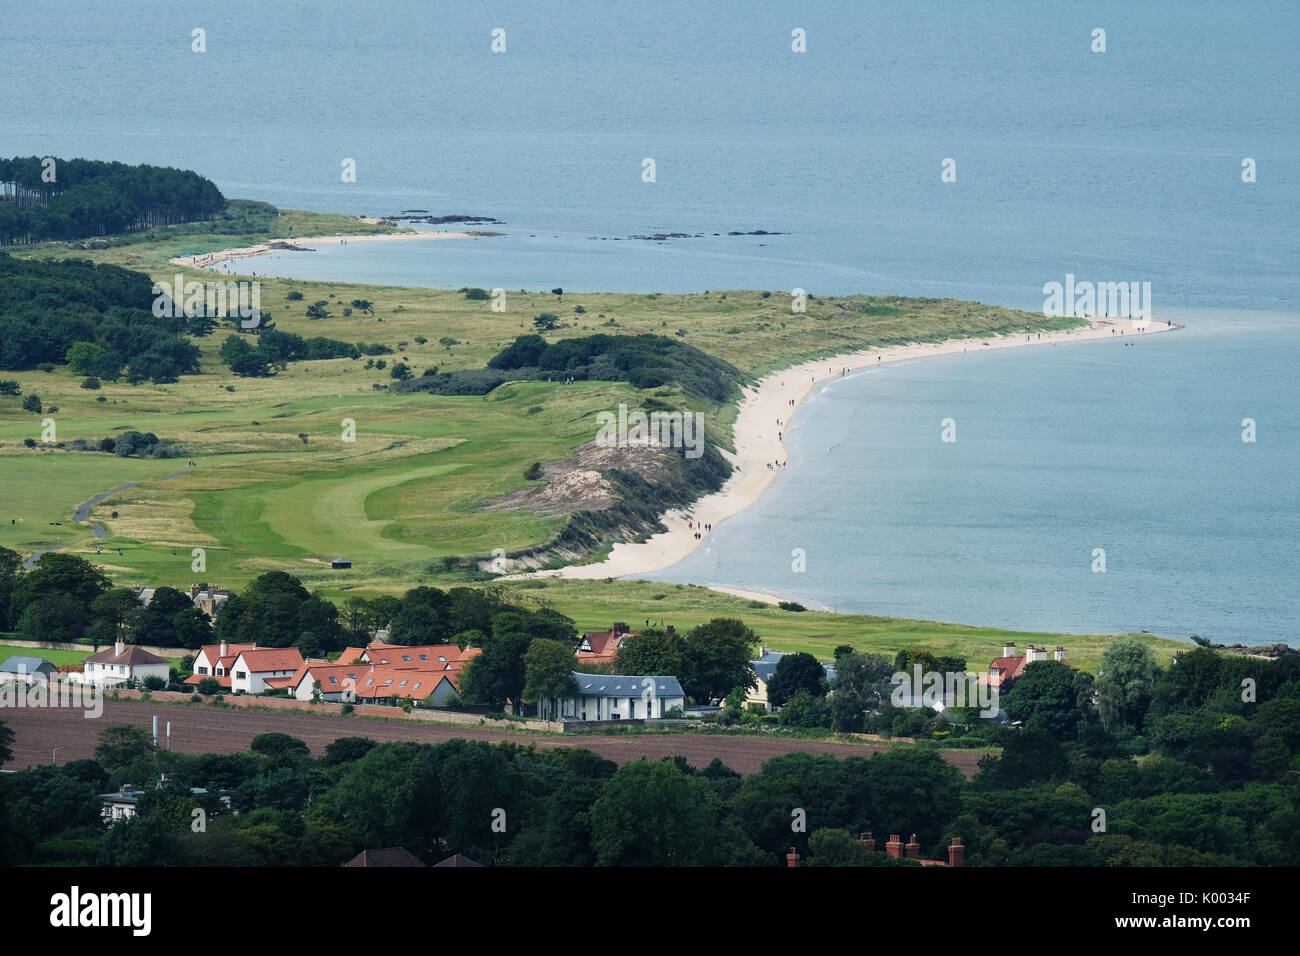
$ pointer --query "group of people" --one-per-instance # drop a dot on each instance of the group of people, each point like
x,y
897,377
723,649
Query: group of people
x,y
703,529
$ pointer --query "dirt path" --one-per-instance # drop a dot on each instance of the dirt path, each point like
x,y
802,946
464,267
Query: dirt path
x,y
206,729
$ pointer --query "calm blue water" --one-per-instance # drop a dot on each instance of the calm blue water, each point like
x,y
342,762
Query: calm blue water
x,y
1135,449
1122,166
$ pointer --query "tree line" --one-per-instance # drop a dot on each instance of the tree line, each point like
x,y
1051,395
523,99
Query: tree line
x,y
91,198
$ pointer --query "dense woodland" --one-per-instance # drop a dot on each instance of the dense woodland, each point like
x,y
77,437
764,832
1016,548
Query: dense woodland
x,y
97,319
91,198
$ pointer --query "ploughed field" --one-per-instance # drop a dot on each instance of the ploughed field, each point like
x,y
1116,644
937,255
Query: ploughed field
x,y
201,729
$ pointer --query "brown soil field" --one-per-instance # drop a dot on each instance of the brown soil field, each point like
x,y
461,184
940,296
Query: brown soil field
x,y
207,729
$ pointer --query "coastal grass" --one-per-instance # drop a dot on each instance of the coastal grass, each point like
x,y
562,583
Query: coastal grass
x,y
597,604
276,486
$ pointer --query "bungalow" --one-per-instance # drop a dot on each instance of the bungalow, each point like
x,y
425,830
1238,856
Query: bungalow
x,y
388,685
614,697
27,669
765,670
255,669
122,664
216,660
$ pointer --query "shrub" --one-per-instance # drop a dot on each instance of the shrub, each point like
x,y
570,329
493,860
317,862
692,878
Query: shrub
x,y
294,295
154,682
32,403
534,471
29,442
476,295
209,686
790,606
347,709
90,382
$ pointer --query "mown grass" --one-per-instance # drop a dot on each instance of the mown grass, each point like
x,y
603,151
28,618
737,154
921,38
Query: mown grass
x,y
411,489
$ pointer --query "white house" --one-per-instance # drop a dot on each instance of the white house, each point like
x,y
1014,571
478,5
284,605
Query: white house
x,y
337,682
615,697
123,663
25,670
217,660
255,670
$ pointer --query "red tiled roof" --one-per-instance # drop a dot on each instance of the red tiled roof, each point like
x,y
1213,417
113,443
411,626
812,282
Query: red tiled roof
x,y
195,679
350,655
604,645
264,659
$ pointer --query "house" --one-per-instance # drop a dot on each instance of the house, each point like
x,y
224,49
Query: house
x,y
1004,670
388,856
27,669
340,563
216,660
765,670
209,600
459,859
615,697
384,674
122,664
600,647
257,669
388,685
120,804
898,850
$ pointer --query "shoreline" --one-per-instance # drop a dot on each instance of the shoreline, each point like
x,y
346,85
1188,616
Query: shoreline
x,y
207,260
759,440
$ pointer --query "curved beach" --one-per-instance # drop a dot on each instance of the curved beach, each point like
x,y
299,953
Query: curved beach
x,y
209,259
759,441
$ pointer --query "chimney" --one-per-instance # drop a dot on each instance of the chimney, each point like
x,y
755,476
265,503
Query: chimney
x,y
895,846
868,841
119,648
620,627
222,652
792,858
956,853
913,849
763,651
1037,653
1059,653
1009,649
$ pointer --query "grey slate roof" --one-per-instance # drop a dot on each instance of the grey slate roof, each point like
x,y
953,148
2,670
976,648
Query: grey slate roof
x,y
20,664
765,666
624,685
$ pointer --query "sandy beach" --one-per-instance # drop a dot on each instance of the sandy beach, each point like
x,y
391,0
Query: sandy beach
x,y
759,441
303,244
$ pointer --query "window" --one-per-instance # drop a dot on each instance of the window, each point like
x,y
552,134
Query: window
x,y
369,682
402,684
407,658
387,682
631,708
203,670
417,684
334,680
240,675
424,657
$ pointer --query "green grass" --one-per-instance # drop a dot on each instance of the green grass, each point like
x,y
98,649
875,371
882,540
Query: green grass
x,y
413,488
596,605
56,657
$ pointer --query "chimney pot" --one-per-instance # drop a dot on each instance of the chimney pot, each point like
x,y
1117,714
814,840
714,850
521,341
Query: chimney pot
x,y
913,849
792,858
895,846
956,853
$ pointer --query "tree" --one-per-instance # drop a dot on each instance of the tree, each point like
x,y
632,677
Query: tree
x,y
63,573
656,814
121,744
1052,691
859,679
277,745
209,686
11,564
548,671
546,322
347,749
6,738
652,652
716,658
389,797
796,672
1125,682
363,305
317,310
32,403
155,624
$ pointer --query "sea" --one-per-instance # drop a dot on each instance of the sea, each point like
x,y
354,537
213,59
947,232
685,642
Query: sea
x,y
914,147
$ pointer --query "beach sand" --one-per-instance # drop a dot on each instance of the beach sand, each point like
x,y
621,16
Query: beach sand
x,y
303,243
756,435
